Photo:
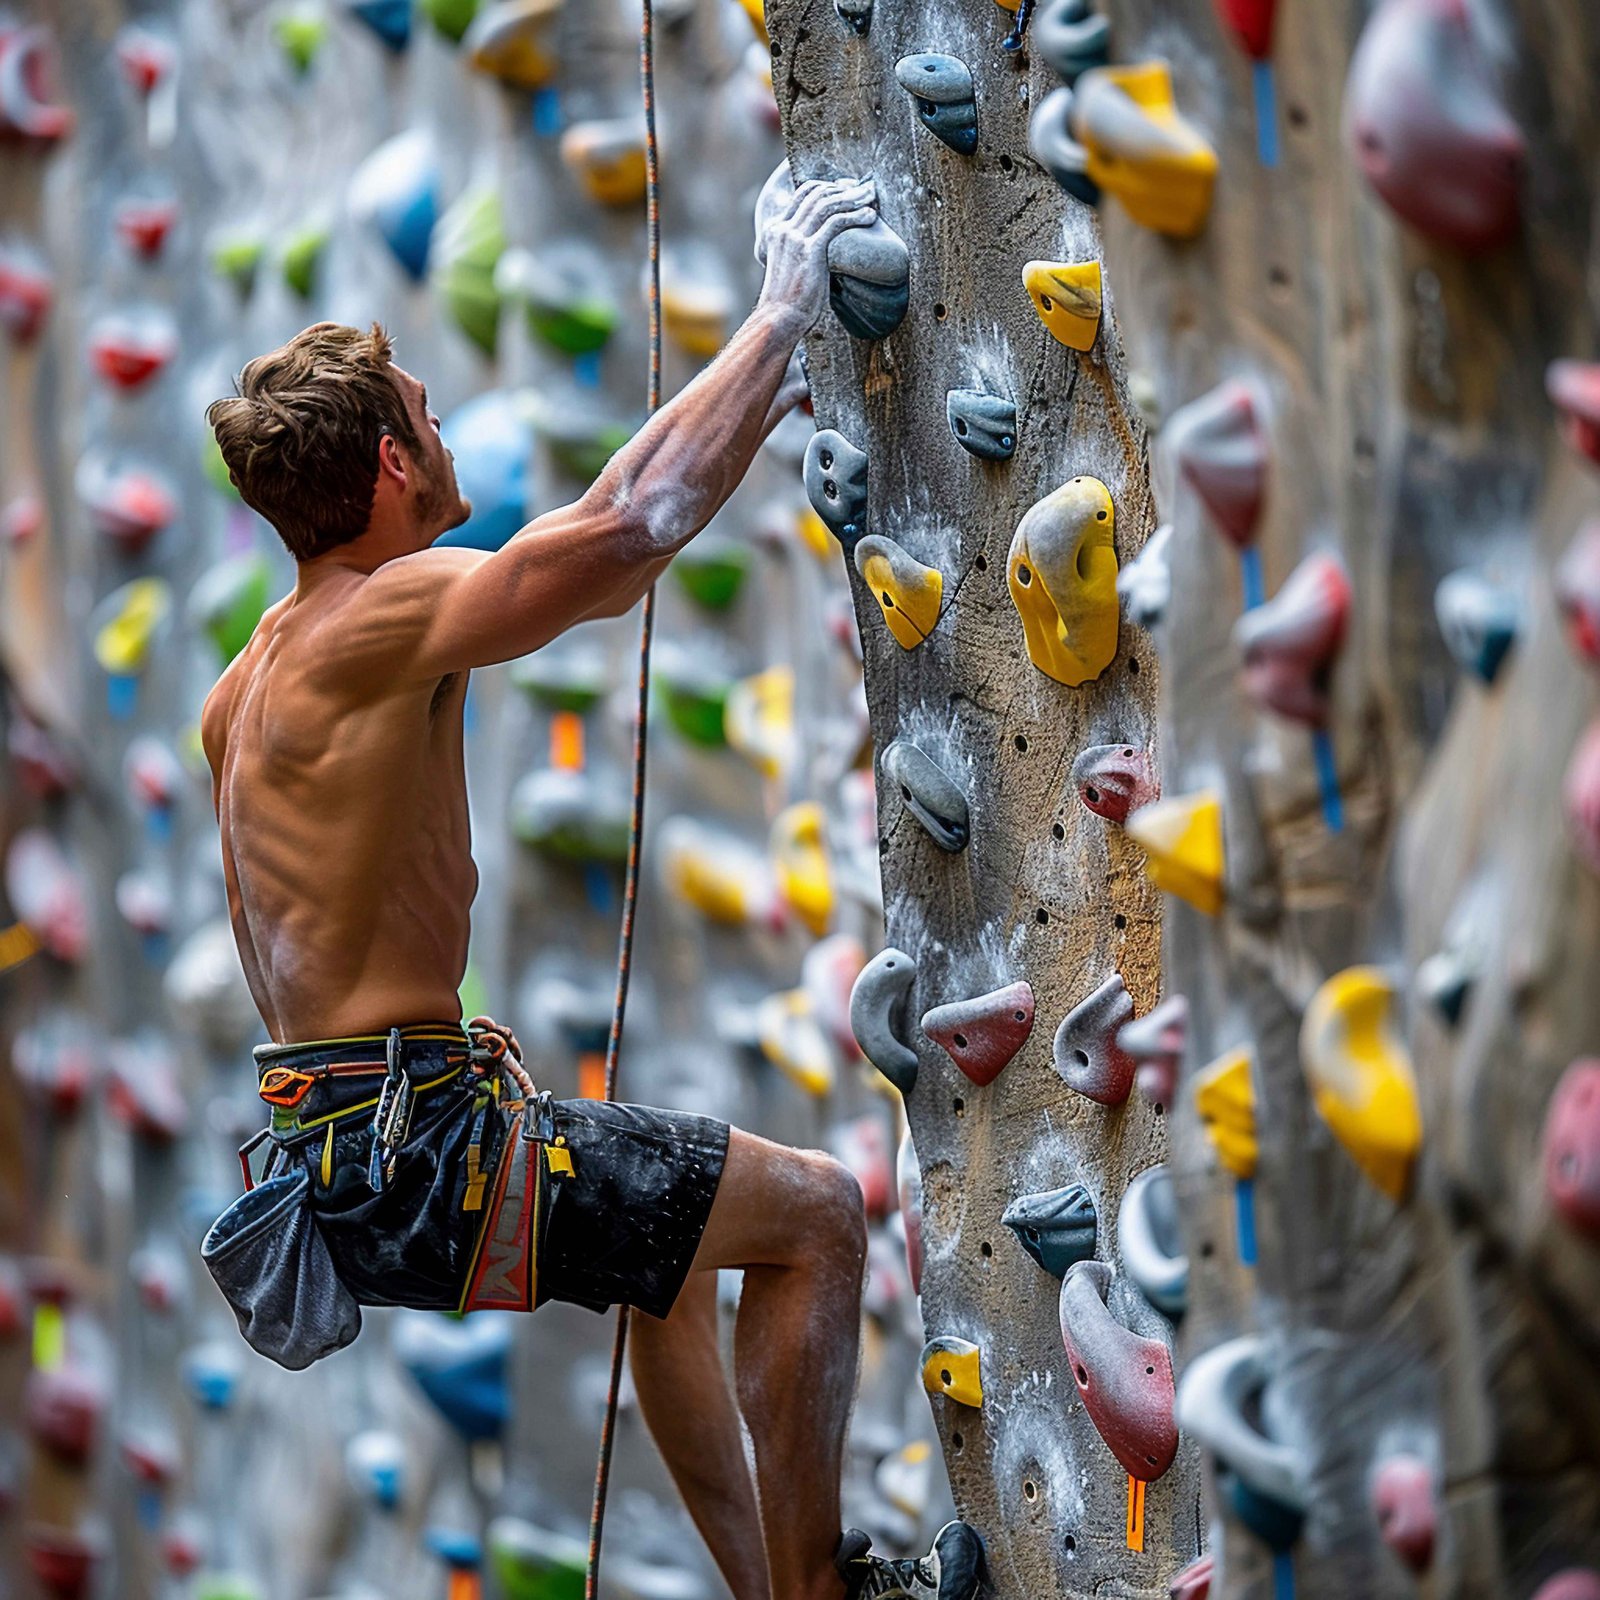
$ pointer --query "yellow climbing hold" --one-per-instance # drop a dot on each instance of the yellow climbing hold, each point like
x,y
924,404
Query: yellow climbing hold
x,y
1225,1101
757,12
1141,150
908,592
721,878
1361,1077
814,534
1066,294
951,1367
1062,573
695,317
607,157
759,720
792,1039
512,40
800,859
133,614
1182,841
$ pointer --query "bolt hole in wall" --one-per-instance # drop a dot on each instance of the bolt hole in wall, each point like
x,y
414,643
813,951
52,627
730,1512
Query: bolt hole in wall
x,y
939,311
1057,831
1133,666
1030,1490
986,1250
1021,743
1041,916
1007,164
982,562
1119,921
1070,1545
959,1106
958,1443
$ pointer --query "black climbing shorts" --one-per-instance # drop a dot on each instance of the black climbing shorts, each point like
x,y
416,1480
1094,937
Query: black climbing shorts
x,y
487,1201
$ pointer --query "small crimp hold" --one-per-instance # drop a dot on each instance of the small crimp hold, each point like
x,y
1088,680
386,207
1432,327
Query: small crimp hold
x,y
1113,780
1056,1228
940,86
932,796
952,1367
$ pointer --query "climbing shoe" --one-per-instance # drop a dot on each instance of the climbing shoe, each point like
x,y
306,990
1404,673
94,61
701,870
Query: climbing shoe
x,y
952,1570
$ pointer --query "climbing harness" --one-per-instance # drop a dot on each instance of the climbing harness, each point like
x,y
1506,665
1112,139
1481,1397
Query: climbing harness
x,y
630,891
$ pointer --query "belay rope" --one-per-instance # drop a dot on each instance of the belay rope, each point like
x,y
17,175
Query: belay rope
x,y
630,889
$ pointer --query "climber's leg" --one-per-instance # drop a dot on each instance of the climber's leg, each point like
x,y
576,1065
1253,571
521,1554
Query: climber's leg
x,y
793,1220
689,1409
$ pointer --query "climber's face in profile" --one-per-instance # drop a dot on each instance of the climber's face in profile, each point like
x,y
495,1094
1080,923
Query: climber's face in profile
x,y
436,500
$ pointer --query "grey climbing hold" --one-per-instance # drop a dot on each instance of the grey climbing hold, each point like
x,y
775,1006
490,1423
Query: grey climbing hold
x,y
870,283
854,14
941,88
1086,1051
1070,38
1144,584
1478,619
835,476
983,424
1150,1242
1222,1392
1053,146
1056,1228
878,1016
932,796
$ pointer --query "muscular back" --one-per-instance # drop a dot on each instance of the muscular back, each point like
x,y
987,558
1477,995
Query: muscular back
x,y
343,816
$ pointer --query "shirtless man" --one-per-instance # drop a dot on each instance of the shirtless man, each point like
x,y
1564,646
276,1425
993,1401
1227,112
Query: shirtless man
x,y
414,1154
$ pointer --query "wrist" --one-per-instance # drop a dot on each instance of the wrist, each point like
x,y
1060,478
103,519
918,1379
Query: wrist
x,y
786,321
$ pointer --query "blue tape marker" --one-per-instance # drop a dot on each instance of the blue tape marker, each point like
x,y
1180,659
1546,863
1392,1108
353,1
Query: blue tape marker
x,y
1282,1575
1244,1195
1266,113
148,1506
547,111
586,369
1250,574
1328,780
122,695
158,820
597,884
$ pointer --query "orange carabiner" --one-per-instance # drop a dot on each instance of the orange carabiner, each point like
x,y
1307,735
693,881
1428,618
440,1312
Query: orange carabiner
x,y
284,1086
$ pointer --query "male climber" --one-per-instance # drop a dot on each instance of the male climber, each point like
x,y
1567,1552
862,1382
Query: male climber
x,y
415,1149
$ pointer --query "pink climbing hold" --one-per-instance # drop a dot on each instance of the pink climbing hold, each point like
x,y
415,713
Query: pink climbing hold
x,y
1572,1146
27,71
1407,1510
1219,446
1581,794
1125,1381
1114,779
1427,127
1574,390
1577,586
982,1034
1291,642
1156,1041
1194,1582
1086,1050
1576,1583
1250,22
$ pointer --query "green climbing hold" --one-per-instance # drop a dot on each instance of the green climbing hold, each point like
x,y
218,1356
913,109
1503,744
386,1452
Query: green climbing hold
x,y
216,469
559,300
467,246
694,696
567,814
302,258
579,440
227,601
301,32
558,681
224,1586
532,1564
712,572
451,17
237,256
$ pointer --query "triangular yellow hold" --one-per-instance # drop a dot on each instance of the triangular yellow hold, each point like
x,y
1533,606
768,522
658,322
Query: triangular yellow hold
x,y
1225,1101
800,860
1062,574
1360,1075
139,608
951,1367
908,593
1067,296
1182,841
792,1039
1141,150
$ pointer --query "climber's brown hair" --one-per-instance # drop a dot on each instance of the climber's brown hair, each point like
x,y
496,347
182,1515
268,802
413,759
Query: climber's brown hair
x,y
300,437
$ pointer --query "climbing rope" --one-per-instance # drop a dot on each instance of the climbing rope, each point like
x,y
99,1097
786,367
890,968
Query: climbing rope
x,y
630,888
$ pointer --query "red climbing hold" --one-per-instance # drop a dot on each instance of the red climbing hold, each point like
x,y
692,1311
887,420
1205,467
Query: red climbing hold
x,y
1574,390
129,351
1219,446
1125,1381
984,1033
25,295
1114,779
1427,127
144,58
1291,642
1572,1146
1576,1583
1581,794
1250,21
63,1562
127,505
26,70
62,1406
143,225
1578,591
1403,1501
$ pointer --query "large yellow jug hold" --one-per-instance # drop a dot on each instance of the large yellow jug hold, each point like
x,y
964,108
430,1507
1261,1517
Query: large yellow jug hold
x,y
1225,1102
800,860
1360,1075
951,1367
1062,573
908,593
1182,842
792,1039
514,41
1141,150
607,158
1066,294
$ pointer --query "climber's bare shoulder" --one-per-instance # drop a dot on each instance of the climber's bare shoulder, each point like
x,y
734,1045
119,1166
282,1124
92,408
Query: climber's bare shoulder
x,y
342,809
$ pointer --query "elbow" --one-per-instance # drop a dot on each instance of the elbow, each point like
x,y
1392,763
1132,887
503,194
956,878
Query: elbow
x,y
654,520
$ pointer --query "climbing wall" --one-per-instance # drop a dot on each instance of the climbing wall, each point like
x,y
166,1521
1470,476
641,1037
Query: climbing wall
x,y
985,469
225,175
